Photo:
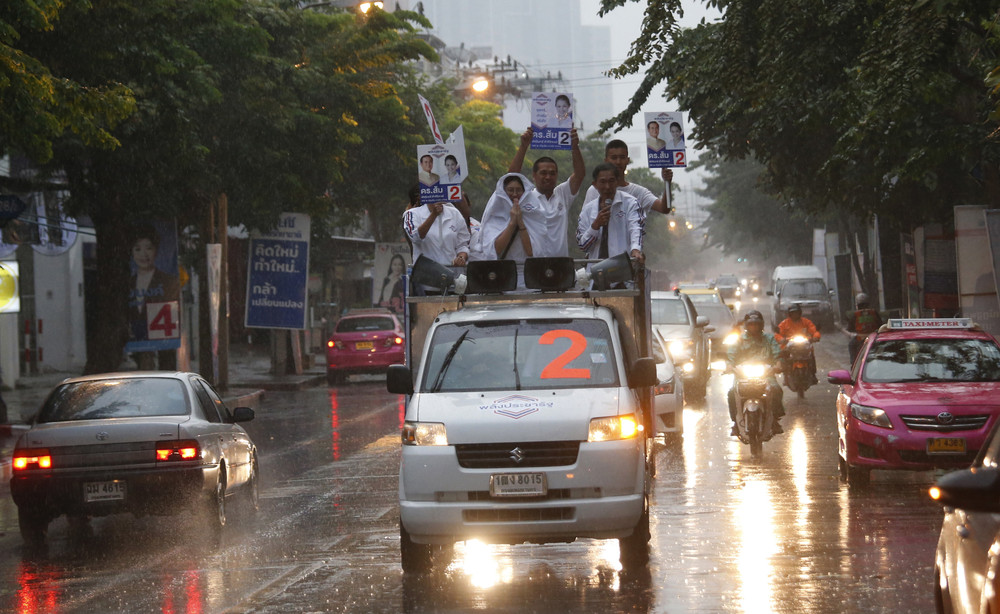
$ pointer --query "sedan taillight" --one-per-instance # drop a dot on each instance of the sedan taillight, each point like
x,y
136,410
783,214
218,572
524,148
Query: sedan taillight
x,y
393,340
31,459
186,449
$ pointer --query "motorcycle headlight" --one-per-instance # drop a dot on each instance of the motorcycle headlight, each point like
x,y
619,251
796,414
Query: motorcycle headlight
x,y
871,415
798,339
752,371
424,434
731,338
612,428
756,287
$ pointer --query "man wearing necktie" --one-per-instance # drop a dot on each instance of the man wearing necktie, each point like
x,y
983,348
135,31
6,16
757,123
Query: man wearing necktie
x,y
613,222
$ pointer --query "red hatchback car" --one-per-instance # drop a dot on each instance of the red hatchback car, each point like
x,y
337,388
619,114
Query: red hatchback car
x,y
364,341
922,394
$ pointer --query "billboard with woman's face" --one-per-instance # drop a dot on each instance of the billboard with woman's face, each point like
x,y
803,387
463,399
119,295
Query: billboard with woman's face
x,y
154,287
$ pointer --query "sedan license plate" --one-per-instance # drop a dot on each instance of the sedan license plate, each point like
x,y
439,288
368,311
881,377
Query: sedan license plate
x,y
363,345
946,445
112,490
518,485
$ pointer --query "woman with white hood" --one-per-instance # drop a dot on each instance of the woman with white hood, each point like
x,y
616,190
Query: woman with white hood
x,y
513,223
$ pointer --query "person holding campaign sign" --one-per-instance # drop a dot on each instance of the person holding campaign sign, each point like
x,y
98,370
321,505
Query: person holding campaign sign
x,y
438,231
616,153
450,157
555,199
551,120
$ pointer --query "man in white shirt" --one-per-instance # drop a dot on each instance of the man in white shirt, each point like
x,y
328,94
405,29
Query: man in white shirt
x,y
555,199
616,152
439,232
613,222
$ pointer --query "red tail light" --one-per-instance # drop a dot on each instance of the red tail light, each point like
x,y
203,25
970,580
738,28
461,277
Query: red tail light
x,y
186,449
329,343
399,341
31,459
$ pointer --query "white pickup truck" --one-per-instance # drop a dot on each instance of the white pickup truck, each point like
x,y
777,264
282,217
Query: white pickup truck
x,y
528,419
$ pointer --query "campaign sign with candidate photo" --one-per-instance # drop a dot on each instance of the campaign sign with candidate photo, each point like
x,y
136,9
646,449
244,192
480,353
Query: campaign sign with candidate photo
x,y
440,170
665,142
551,120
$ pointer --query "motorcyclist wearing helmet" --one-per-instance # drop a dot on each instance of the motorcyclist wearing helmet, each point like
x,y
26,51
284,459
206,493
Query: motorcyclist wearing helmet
x,y
756,345
862,322
793,325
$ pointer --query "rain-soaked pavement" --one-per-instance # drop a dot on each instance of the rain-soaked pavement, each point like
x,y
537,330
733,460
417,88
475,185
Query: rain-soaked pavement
x,y
730,534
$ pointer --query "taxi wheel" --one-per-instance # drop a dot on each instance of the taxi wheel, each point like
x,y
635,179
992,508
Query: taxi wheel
x,y
414,557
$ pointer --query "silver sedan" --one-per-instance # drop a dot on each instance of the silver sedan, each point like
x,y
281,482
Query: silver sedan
x,y
139,442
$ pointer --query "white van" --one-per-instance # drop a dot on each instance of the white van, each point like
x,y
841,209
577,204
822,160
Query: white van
x,y
806,286
526,422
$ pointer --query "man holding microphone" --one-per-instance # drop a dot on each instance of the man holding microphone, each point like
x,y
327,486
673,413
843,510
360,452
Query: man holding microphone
x,y
613,223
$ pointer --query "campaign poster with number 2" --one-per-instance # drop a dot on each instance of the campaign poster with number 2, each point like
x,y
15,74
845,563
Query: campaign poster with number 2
x,y
441,170
551,120
665,142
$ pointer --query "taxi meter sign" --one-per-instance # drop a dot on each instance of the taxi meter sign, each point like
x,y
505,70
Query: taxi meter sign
x,y
930,323
10,297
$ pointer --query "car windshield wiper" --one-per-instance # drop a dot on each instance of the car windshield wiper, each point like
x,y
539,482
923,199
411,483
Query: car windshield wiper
x,y
447,362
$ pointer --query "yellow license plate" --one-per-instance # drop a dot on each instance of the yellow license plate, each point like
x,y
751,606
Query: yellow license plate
x,y
363,345
946,445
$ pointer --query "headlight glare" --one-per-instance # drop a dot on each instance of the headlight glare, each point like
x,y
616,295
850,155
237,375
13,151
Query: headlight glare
x,y
731,338
424,434
613,428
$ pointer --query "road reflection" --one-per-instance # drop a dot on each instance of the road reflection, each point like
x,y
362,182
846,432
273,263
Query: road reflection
x,y
38,588
584,576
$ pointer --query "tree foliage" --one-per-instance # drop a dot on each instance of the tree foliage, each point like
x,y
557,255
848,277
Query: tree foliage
x,y
260,100
854,108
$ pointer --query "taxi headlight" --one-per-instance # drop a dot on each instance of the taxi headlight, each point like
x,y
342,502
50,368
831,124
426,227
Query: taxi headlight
x,y
871,415
613,428
424,434
731,338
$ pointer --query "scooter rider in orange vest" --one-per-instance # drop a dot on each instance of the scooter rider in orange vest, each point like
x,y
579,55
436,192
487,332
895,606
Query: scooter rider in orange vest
x,y
793,325
861,323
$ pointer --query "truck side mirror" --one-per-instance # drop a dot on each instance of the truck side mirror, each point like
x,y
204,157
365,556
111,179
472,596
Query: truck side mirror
x,y
642,374
700,322
399,380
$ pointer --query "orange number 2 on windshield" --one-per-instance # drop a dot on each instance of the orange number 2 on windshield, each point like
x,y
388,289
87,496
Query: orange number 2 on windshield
x,y
557,368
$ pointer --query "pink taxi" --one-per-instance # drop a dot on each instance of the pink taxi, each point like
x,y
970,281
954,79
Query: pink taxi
x,y
922,394
364,341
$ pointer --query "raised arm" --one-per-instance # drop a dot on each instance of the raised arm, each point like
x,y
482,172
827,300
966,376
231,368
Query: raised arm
x,y
579,168
662,204
518,161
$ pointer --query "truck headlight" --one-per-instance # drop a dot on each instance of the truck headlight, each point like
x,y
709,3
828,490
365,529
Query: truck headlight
x,y
424,434
871,415
613,428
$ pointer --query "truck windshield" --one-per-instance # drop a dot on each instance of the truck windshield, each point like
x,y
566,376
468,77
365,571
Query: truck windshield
x,y
808,288
520,355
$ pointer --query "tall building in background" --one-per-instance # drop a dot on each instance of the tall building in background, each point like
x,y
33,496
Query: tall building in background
x,y
546,38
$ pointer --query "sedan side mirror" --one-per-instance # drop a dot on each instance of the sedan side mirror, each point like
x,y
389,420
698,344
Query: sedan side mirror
x,y
974,490
643,373
399,380
840,377
243,414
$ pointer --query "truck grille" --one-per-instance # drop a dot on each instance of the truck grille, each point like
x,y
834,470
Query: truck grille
x,y
504,455
539,514
958,423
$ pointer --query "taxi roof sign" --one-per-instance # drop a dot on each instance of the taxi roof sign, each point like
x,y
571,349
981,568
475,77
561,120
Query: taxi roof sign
x,y
929,323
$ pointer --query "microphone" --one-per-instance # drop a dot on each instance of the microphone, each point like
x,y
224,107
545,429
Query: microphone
x,y
607,204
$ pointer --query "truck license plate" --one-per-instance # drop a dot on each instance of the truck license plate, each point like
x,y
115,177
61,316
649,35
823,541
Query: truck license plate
x,y
517,485
946,445
112,490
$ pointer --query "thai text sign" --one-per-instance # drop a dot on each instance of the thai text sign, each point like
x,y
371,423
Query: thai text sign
x,y
278,274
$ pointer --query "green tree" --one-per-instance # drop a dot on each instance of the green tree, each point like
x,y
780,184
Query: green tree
x,y
37,106
259,101
853,108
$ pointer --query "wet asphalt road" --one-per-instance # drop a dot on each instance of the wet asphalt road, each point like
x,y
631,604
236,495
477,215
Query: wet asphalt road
x,y
730,534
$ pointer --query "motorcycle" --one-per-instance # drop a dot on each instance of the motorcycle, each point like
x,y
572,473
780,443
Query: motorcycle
x,y
799,357
754,420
